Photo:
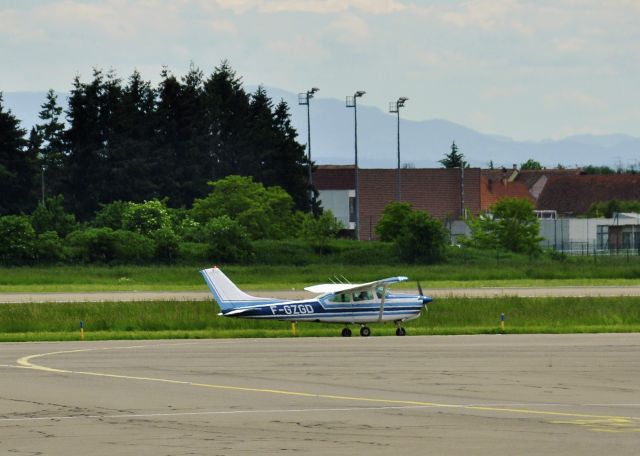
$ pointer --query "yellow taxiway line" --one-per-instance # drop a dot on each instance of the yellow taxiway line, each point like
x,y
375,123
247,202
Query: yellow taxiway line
x,y
602,423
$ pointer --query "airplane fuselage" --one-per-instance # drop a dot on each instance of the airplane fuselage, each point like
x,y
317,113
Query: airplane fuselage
x,y
396,308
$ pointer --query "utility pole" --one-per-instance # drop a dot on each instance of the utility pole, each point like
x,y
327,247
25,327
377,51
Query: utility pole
x,y
352,103
394,108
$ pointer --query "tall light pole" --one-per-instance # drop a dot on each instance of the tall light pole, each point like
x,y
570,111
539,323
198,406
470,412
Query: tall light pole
x,y
352,103
394,108
43,170
303,99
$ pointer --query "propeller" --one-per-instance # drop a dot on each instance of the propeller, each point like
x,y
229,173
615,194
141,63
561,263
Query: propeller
x,y
425,299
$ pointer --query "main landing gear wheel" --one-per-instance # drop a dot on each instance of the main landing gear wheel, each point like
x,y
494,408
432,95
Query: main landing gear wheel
x,y
365,332
346,332
400,331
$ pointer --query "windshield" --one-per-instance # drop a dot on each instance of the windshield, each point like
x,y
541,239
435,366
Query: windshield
x,y
379,291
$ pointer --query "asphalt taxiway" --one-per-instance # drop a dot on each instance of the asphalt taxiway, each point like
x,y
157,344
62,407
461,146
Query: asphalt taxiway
x,y
485,395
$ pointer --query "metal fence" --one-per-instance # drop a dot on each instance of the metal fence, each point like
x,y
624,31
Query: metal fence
x,y
585,248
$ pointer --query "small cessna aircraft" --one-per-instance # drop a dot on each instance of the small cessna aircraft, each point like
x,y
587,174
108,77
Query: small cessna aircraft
x,y
346,303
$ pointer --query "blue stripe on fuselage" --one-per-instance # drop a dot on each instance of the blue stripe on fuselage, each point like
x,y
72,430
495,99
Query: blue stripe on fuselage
x,y
315,310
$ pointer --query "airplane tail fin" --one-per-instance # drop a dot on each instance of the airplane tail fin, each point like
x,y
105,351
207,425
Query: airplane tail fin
x,y
227,294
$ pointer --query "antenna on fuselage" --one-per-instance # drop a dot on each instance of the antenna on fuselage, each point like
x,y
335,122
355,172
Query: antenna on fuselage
x,y
345,279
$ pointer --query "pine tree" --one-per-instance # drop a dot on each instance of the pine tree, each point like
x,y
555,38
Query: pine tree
x,y
291,164
182,138
227,107
453,159
91,114
18,170
194,168
50,132
262,154
131,148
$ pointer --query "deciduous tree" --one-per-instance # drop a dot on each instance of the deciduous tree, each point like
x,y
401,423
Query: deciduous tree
x,y
512,225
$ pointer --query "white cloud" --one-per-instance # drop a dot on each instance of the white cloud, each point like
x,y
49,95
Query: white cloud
x,y
15,27
573,98
313,6
486,15
224,26
501,92
117,19
350,29
300,50
572,44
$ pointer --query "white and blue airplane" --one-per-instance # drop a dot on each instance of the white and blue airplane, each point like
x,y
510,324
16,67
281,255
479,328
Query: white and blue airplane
x,y
346,303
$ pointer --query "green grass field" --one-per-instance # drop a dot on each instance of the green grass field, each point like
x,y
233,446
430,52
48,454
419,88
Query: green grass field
x,y
459,272
161,320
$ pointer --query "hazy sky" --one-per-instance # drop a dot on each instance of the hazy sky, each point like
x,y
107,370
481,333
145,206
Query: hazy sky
x,y
528,69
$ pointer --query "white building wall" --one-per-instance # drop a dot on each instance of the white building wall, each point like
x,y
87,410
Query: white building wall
x,y
337,201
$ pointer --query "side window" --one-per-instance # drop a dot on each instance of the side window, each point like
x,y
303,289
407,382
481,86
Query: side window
x,y
341,297
379,292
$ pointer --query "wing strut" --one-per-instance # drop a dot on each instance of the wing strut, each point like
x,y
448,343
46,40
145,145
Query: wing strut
x,y
384,293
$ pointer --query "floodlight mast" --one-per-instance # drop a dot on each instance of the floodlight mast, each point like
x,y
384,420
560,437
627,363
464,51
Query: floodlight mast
x,y
303,99
394,108
352,103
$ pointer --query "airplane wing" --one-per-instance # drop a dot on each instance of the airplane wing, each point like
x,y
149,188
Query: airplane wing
x,y
352,287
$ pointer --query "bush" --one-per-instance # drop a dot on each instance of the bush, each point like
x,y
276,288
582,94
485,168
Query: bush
x,y
132,247
166,245
265,213
193,252
364,253
147,217
417,236
393,218
513,226
422,239
227,241
104,245
17,240
111,215
189,230
52,217
92,245
49,248
318,231
283,253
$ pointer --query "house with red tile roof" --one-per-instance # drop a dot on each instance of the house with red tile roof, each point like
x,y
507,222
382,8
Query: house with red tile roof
x,y
574,195
496,184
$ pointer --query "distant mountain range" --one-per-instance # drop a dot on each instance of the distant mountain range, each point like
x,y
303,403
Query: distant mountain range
x,y
423,143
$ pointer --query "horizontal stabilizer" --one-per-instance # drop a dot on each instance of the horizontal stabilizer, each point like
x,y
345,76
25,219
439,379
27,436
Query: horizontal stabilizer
x,y
236,312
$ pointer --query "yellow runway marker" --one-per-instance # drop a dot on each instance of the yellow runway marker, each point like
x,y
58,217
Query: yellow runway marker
x,y
602,423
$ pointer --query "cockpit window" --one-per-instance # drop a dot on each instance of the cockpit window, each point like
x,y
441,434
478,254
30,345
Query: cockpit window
x,y
365,295
379,292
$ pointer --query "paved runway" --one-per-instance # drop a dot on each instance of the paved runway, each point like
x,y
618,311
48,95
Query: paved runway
x,y
455,395
483,292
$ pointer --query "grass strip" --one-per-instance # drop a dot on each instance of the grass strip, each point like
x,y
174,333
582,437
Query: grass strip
x,y
194,320
580,271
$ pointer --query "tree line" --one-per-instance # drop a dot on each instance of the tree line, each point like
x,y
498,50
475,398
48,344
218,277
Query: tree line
x,y
226,225
129,141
